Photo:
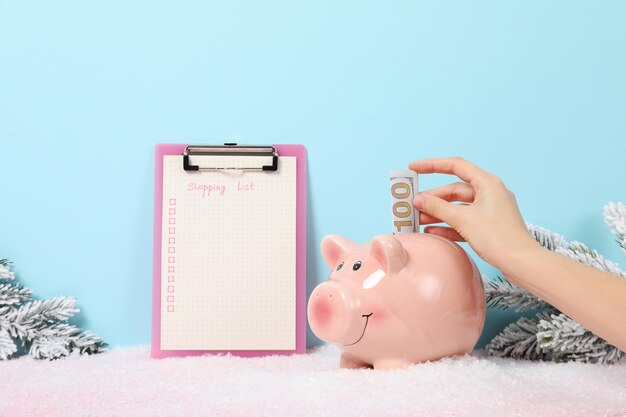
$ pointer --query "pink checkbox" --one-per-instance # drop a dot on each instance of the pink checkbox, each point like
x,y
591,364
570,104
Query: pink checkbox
x,y
171,260
170,309
172,220
170,298
172,201
170,288
171,249
172,211
170,278
170,269
171,240
172,230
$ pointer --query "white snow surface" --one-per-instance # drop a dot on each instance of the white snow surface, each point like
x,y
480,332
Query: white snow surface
x,y
126,382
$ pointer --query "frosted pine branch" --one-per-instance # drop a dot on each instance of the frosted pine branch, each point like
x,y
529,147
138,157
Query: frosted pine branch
x,y
500,293
559,332
5,270
13,294
546,238
519,340
7,345
25,321
604,353
40,325
580,252
615,217
569,340
50,348
575,250
62,339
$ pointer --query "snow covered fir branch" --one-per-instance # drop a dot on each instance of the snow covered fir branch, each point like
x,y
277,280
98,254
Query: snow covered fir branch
x,y
550,334
500,293
568,340
39,327
615,217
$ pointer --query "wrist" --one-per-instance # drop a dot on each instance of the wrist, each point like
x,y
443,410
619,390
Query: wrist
x,y
516,261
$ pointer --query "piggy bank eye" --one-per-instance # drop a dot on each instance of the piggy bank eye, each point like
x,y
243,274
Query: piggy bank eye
x,y
340,266
356,266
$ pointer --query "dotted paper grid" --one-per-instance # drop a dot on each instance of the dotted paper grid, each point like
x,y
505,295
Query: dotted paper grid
x,y
234,266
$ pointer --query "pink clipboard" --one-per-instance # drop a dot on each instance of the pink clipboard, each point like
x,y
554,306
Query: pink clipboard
x,y
298,151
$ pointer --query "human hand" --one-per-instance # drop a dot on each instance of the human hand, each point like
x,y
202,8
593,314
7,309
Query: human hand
x,y
490,220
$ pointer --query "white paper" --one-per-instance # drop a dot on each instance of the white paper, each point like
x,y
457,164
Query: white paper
x,y
228,271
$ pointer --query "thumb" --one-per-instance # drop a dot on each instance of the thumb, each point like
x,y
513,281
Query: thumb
x,y
437,208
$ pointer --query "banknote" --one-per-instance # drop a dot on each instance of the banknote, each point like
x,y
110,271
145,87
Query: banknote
x,y
403,187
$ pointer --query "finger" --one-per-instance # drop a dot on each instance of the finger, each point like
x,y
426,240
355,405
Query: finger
x,y
428,219
438,208
443,231
458,191
463,169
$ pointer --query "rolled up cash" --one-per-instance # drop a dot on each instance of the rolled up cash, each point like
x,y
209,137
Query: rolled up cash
x,y
403,186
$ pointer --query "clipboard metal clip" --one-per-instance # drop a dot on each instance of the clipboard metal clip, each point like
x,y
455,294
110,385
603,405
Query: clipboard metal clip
x,y
230,149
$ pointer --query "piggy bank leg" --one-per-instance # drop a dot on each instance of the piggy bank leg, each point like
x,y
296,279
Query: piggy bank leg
x,y
350,362
389,364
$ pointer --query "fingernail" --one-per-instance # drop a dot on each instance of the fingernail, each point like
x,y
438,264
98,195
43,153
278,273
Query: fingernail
x,y
418,201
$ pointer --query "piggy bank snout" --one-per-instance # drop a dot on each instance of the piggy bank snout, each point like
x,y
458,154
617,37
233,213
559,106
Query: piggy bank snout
x,y
329,311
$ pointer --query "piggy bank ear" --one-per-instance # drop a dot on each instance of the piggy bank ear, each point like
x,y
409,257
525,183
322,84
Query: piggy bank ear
x,y
389,252
334,247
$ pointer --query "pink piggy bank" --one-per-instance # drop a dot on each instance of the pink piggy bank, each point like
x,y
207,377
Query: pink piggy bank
x,y
398,300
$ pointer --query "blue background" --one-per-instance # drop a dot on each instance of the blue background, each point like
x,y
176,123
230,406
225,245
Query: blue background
x,y
532,91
